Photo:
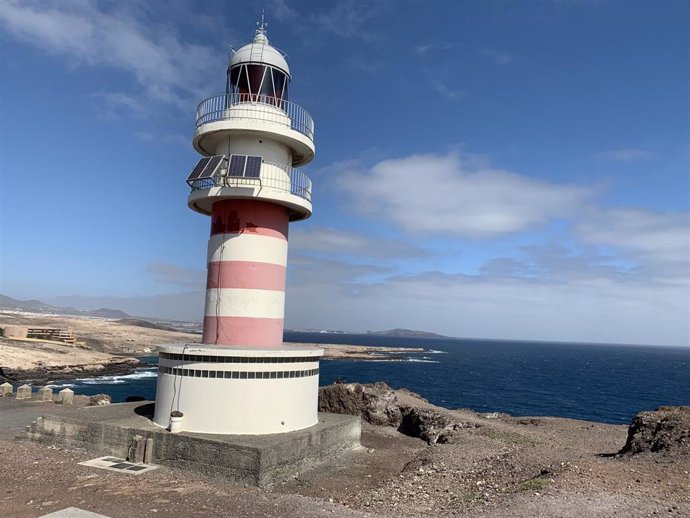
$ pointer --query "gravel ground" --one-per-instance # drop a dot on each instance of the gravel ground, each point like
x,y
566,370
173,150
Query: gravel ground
x,y
507,467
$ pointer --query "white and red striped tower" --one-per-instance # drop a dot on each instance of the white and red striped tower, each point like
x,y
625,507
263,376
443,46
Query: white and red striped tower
x,y
242,379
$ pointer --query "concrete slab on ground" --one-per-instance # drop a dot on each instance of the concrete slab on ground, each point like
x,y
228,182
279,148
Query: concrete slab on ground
x,y
73,512
254,459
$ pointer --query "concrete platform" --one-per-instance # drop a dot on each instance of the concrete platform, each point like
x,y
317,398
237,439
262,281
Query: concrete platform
x,y
254,459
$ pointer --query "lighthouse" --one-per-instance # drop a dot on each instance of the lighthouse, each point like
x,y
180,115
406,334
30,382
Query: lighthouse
x,y
252,140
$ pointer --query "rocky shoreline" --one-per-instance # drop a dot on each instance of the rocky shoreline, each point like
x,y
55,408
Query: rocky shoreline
x,y
43,375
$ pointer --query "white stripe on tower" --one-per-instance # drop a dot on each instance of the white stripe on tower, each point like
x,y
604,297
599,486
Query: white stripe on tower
x,y
247,247
232,302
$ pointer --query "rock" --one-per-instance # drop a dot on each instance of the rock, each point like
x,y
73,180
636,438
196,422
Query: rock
x,y
432,426
379,405
425,424
375,403
100,400
665,430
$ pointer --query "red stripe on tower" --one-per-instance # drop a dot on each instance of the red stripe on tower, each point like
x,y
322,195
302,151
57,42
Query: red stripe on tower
x,y
243,331
246,274
251,217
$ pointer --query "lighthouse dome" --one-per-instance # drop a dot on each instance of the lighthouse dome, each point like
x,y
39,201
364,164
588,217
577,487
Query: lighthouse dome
x,y
260,51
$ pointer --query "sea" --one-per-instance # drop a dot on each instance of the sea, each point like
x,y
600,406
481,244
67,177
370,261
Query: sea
x,y
595,382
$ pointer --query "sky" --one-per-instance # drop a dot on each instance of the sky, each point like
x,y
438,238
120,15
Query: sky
x,y
484,168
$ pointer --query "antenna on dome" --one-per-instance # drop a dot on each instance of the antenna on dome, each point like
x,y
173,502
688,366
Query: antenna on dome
x,y
262,24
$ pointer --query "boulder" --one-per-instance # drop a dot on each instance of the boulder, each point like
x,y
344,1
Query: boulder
x,y
380,405
432,426
665,430
100,400
376,403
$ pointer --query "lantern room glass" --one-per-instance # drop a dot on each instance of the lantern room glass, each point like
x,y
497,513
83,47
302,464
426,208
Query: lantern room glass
x,y
258,82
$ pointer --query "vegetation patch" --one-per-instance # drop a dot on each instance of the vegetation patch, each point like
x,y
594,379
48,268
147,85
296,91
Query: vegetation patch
x,y
533,484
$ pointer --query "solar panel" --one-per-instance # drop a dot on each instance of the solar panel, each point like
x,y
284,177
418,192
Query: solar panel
x,y
211,167
253,169
198,169
237,163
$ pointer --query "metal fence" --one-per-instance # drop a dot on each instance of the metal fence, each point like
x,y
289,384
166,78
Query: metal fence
x,y
252,106
276,176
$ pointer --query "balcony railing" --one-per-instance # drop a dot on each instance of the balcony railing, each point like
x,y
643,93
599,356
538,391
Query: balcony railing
x,y
252,106
275,176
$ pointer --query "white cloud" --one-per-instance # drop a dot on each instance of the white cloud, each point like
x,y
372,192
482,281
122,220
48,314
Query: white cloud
x,y
347,18
435,194
660,241
167,69
623,154
344,243
452,94
426,48
588,310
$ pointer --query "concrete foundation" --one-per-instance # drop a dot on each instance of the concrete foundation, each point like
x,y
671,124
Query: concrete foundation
x,y
24,392
6,389
45,394
119,429
65,396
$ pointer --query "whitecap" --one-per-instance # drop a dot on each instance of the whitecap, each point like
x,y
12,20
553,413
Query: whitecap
x,y
113,380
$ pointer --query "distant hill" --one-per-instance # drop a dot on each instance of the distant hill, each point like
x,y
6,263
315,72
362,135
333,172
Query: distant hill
x,y
406,333
400,333
36,306
106,313
144,323
25,305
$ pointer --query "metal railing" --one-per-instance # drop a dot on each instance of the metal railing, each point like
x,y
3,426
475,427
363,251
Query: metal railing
x,y
249,106
276,176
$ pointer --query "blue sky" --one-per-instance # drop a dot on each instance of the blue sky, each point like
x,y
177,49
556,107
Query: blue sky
x,y
483,169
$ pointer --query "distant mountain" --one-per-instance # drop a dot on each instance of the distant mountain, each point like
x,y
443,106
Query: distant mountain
x,y
106,313
144,323
406,333
24,305
36,306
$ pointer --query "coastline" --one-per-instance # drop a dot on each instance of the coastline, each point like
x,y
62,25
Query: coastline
x,y
48,375
44,362
361,352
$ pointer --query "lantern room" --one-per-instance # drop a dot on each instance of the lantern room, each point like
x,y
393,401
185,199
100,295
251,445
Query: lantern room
x,y
258,72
